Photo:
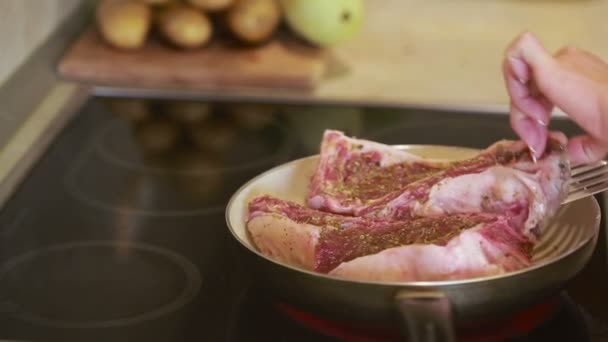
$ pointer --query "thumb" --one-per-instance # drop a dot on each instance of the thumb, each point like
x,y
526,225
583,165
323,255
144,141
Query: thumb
x,y
584,149
564,87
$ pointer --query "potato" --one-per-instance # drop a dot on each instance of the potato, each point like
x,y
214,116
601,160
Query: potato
x,y
187,112
252,116
129,109
211,5
215,136
156,135
253,21
185,26
158,2
124,23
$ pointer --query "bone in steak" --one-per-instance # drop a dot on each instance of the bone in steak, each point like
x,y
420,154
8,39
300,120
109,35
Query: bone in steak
x,y
427,248
363,178
352,172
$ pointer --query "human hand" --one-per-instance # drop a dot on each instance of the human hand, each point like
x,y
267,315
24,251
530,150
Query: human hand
x,y
573,80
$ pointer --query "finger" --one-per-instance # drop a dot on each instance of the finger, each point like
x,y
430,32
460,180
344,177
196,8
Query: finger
x,y
560,137
519,84
538,110
545,106
582,59
577,97
530,131
533,105
518,68
527,49
560,83
584,149
565,88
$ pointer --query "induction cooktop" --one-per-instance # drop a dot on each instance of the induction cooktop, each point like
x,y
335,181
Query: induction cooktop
x,y
118,232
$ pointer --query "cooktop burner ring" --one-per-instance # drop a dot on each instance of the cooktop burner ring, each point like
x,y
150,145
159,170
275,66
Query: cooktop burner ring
x,y
73,190
188,185
70,182
100,143
192,285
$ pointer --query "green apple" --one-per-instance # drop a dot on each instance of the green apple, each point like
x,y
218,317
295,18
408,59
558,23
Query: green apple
x,y
324,22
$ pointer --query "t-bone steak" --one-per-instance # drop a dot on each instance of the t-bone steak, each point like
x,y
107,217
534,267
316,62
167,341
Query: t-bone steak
x,y
427,248
363,178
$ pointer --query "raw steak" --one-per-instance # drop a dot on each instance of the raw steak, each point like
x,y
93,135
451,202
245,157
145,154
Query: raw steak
x,y
352,172
363,178
426,248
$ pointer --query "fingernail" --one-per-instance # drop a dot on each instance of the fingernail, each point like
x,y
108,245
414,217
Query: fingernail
x,y
535,137
539,141
533,154
519,69
533,145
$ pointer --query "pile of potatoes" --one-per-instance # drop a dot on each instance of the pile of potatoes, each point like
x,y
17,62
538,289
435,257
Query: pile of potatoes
x,y
185,24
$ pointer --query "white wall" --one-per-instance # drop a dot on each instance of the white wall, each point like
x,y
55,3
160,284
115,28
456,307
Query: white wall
x,y
24,25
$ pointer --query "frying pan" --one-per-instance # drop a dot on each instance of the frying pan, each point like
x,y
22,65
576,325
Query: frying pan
x,y
429,310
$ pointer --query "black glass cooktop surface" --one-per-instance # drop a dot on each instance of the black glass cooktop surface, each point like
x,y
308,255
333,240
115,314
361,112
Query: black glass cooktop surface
x,y
118,232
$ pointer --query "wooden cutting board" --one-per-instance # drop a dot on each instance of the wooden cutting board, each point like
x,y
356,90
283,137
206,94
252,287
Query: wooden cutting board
x,y
283,63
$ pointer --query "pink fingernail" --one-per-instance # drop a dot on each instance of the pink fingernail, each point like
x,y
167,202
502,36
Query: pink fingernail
x,y
535,137
532,154
519,69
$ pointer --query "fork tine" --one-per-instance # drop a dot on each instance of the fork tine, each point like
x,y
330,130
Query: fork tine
x,y
589,182
585,192
591,173
578,195
576,170
573,198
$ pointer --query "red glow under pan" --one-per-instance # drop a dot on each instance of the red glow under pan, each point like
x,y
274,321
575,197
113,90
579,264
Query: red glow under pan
x,y
519,324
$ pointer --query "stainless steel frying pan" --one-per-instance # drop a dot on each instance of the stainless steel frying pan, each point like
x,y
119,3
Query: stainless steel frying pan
x,y
429,311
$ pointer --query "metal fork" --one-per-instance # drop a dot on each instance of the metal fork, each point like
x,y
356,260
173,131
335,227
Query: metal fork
x,y
587,180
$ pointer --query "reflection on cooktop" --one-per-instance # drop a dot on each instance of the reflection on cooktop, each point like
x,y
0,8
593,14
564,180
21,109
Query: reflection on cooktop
x,y
118,233
125,283
163,166
123,143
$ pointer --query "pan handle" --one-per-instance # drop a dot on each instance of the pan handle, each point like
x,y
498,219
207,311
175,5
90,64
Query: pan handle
x,y
427,316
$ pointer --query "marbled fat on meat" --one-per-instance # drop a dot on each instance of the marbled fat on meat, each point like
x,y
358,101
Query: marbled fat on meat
x,y
353,172
472,253
378,213
326,242
500,178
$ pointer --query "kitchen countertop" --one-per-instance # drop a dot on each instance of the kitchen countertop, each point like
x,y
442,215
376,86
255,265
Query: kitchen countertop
x,y
433,53
449,53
